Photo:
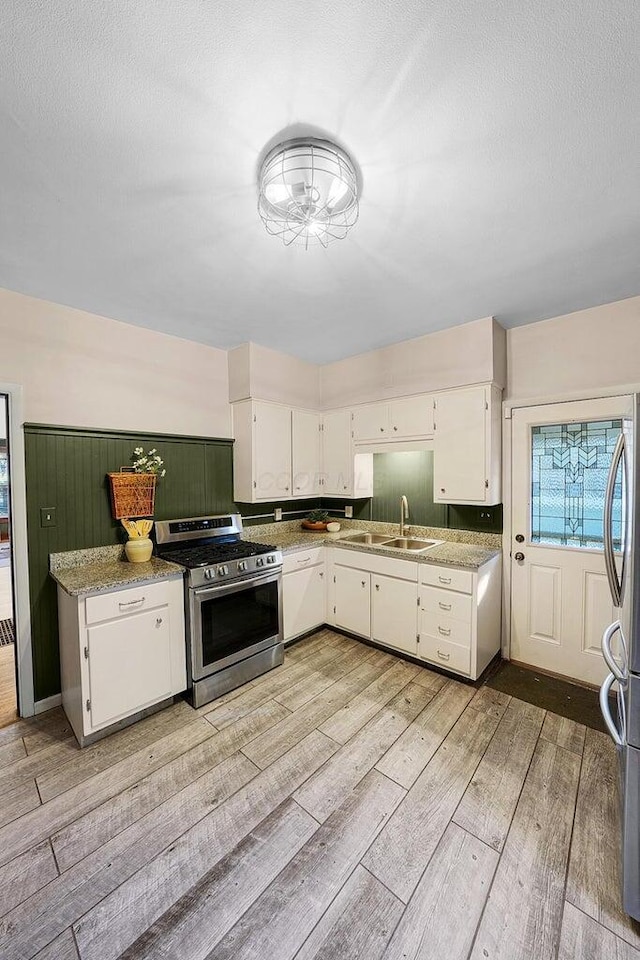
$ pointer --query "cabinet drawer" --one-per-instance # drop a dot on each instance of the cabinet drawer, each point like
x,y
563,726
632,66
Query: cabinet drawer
x,y
301,559
120,603
449,656
447,603
442,627
448,578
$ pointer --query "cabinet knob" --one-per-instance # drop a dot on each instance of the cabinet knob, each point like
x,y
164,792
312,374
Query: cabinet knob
x,y
442,490
395,428
377,586
345,487
364,583
158,621
381,429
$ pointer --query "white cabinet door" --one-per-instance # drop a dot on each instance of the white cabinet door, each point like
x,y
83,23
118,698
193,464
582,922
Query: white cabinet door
x,y
337,458
371,422
460,448
129,663
352,598
411,417
304,600
306,453
394,612
272,449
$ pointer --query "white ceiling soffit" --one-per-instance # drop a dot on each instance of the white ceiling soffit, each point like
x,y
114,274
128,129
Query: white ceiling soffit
x,y
497,144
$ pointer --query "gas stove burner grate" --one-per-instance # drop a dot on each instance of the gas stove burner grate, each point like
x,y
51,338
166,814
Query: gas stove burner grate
x,y
202,556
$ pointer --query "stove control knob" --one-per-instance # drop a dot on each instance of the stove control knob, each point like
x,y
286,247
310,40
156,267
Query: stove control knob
x,y
260,562
271,559
242,565
209,574
223,571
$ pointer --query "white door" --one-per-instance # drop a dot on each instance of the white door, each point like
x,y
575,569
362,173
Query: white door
x,y
371,422
303,600
337,458
560,599
394,613
306,453
352,595
272,445
460,447
129,664
411,417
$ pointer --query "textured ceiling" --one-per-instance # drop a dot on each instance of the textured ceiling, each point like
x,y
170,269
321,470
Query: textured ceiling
x,y
497,140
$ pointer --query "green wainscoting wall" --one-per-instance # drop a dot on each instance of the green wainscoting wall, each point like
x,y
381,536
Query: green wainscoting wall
x,y
411,474
66,469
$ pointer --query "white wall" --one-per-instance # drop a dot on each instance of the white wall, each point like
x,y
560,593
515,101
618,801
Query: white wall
x,y
588,351
265,374
78,369
470,353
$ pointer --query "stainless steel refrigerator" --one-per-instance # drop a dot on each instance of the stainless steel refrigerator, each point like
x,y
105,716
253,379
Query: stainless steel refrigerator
x,y
621,641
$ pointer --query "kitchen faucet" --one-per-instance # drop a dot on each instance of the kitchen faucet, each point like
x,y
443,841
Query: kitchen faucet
x,y
404,514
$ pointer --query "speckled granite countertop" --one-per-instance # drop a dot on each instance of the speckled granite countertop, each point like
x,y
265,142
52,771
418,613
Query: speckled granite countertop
x,y
461,548
104,568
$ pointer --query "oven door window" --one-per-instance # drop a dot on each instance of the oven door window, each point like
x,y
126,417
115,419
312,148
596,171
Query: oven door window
x,y
231,622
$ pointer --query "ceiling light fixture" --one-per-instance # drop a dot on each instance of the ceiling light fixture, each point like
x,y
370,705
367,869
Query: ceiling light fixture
x,y
308,192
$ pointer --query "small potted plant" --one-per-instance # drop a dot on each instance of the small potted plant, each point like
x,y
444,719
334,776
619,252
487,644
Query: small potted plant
x,y
316,520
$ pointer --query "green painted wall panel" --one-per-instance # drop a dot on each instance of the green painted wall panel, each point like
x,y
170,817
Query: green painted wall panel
x,y
66,469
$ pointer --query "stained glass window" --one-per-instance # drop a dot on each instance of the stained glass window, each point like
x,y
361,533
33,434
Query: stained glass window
x,y
569,468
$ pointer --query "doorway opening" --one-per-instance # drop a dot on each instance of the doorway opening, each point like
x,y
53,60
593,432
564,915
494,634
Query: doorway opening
x,y
8,688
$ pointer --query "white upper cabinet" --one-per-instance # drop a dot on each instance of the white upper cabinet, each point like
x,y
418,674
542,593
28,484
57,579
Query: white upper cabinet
x,y
306,453
467,446
396,420
343,473
262,451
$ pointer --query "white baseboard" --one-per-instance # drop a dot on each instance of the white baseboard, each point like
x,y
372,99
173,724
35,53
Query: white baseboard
x,y
48,703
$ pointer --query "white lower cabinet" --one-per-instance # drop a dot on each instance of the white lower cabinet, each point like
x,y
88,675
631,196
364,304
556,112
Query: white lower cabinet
x,y
303,592
121,652
393,612
460,616
352,600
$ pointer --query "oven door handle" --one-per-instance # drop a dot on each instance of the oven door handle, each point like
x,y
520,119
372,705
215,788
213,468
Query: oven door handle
x,y
235,586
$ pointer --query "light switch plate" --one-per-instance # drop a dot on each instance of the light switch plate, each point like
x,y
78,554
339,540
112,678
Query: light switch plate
x,y
48,517
278,513
348,512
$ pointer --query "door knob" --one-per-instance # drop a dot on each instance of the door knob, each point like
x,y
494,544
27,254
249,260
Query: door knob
x,y
518,556
519,538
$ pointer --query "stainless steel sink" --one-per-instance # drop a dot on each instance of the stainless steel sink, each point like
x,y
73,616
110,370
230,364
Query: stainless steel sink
x,y
409,543
370,538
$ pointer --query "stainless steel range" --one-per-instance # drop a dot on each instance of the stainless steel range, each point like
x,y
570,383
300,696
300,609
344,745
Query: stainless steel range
x,y
233,602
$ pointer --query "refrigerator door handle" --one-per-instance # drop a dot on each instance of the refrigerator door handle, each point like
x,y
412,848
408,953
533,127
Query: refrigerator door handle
x,y
606,711
609,659
615,585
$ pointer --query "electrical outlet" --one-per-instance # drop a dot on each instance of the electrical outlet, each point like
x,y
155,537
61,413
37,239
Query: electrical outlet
x,y
278,513
485,516
348,512
48,517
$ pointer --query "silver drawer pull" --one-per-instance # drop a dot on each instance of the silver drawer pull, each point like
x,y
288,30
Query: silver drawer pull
x,y
444,579
131,603
444,656
306,560
444,606
445,633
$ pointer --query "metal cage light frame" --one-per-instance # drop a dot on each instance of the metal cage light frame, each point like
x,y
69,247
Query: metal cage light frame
x,y
308,192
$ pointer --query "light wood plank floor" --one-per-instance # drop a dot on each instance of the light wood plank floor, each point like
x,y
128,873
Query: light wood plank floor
x,y
346,805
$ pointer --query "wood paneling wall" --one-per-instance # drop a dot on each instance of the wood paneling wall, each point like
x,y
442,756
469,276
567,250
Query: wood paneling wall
x,y
66,469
